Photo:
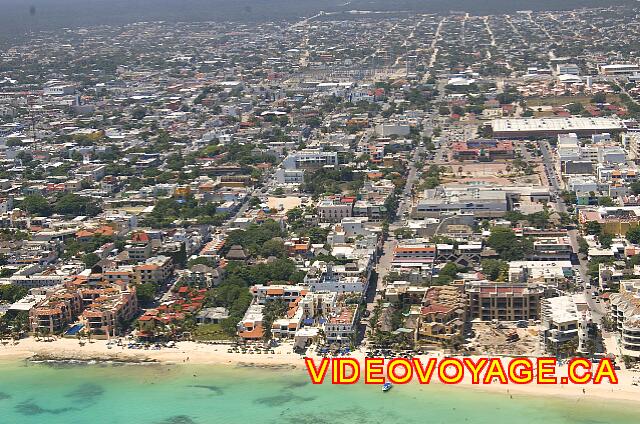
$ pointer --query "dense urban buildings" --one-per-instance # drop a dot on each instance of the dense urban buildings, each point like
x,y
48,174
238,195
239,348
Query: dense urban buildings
x,y
343,182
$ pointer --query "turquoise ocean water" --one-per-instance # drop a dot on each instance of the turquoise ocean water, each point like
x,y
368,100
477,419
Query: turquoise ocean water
x,y
188,394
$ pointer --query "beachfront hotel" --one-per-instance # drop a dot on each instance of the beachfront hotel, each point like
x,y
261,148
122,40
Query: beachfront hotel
x,y
53,314
96,304
442,315
341,327
565,319
503,301
307,313
109,307
625,313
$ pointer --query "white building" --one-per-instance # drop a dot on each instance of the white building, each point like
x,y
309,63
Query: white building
x,y
324,279
568,147
583,184
388,129
551,127
263,294
289,176
59,90
354,226
619,69
32,281
563,318
567,69
481,201
310,158
552,248
342,326
334,210
612,155
601,138
552,275
631,142
625,312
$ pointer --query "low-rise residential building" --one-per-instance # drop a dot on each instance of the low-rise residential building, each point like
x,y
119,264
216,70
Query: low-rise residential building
x,y
155,270
101,307
483,150
324,278
309,159
267,293
112,307
289,176
612,220
442,315
551,275
335,209
413,256
551,248
201,275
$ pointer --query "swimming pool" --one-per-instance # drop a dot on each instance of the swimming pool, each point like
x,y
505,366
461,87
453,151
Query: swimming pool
x,y
74,330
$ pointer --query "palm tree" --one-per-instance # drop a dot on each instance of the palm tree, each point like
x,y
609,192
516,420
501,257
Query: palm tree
x,y
121,325
16,332
322,336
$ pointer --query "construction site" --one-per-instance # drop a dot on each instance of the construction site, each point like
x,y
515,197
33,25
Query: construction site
x,y
504,339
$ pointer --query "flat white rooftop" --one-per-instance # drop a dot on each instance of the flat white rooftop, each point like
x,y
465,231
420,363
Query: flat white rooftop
x,y
570,124
561,310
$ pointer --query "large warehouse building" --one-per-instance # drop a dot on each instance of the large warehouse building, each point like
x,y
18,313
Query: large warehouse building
x,y
551,127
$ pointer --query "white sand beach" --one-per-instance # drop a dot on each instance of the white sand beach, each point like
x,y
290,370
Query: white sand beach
x,y
202,354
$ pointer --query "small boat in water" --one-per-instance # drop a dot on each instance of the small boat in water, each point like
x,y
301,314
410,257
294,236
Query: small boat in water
x,y
386,387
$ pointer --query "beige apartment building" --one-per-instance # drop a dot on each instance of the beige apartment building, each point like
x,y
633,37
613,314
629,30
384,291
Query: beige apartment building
x,y
503,301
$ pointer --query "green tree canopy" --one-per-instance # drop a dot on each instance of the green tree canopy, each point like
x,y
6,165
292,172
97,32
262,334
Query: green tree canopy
x,y
633,235
36,204
605,201
255,236
605,240
446,275
495,269
505,242
635,187
202,260
593,228
146,293
599,97
12,293
450,270
73,204
273,310
274,247
90,259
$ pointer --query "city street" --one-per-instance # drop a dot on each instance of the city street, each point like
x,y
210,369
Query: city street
x,y
597,308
